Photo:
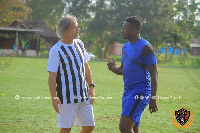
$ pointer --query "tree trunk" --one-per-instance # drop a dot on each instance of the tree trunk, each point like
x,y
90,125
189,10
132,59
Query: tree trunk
x,y
174,48
97,45
101,46
166,49
104,55
52,22
100,51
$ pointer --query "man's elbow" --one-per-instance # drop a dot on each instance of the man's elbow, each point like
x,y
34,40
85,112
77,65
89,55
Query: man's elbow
x,y
154,76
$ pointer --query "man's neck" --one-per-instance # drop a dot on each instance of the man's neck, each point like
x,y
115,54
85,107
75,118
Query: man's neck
x,y
67,41
134,39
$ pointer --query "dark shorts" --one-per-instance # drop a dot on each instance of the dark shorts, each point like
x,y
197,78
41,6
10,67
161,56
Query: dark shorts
x,y
133,106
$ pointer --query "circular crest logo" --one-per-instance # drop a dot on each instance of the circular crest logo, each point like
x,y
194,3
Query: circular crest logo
x,y
182,118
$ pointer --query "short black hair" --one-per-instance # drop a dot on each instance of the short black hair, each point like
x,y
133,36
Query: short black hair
x,y
133,20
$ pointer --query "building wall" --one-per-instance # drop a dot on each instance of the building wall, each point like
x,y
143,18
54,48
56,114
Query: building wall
x,y
195,51
115,49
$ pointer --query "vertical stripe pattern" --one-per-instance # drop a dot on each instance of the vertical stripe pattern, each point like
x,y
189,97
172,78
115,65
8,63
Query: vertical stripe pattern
x,y
71,84
80,53
66,80
59,85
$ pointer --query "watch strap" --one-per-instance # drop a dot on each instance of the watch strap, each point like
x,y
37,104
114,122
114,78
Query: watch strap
x,y
92,85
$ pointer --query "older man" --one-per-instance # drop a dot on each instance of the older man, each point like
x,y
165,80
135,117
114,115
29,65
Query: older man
x,y
68,72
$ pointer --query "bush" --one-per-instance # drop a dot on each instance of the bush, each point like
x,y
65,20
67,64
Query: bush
x,y
177,59
115,57
43,51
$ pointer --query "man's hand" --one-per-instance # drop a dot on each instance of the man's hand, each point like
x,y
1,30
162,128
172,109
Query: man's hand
x,y
153,106
55,103
91,94
111,66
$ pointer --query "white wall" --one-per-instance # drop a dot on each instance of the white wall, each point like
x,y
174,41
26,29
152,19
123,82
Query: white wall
x,y
11,52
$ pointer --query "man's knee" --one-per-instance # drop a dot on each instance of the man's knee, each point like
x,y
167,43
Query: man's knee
x,y
87,129
125,129
90,128
65,130
136,129
126,124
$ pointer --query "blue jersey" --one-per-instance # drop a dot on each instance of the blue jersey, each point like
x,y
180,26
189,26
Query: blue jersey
x,y
135,58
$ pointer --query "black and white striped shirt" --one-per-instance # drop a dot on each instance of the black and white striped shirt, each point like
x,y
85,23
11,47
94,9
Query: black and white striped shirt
x,y
67,60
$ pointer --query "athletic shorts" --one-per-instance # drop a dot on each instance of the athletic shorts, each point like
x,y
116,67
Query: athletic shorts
x,y
133,106
78,114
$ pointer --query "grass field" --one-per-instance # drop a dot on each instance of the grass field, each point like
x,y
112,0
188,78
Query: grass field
x,y
25,106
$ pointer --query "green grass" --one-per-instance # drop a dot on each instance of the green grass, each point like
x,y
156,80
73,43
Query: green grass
x,y
27,77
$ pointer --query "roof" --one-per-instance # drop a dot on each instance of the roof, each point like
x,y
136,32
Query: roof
x,y
19,29
32,24
195,45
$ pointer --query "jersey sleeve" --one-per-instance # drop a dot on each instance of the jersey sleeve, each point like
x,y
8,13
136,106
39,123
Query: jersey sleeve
x,y
53,62
149,55
85,54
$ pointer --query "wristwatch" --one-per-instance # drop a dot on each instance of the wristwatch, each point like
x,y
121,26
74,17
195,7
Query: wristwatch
x,y
92,85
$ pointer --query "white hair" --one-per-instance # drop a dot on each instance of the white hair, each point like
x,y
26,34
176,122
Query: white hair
x,y
63,25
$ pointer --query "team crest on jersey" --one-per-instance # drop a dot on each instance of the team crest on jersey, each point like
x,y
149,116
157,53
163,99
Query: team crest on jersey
x,y
184,118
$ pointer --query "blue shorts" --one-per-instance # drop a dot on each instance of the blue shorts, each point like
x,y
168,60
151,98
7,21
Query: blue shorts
x,y
133,106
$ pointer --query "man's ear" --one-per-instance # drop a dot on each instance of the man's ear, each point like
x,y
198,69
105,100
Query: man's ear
x,y
136,31
65,32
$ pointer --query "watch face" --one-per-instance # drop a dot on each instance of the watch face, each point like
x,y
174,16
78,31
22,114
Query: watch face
x,y
92,85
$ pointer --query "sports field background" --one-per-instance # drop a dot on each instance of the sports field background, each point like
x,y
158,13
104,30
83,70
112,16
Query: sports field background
x,y
25,106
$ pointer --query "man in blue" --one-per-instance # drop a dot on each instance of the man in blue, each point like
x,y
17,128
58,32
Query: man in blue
x,y
140,75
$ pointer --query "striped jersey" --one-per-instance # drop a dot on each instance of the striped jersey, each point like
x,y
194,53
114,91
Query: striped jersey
x,y
67,60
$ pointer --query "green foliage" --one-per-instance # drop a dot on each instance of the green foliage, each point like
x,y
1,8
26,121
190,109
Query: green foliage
x,y
100,21
192,61
11,10
163,21
115,58
48,11
43,51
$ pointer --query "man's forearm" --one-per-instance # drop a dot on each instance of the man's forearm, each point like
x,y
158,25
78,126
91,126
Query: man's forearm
x,y
154,85
89,77
154,79
118,71
88,74
52,85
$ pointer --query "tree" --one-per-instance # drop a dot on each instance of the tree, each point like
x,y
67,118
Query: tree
x,y
49,11
100,26
178,32
108,17
153,17
100,21
11,10
81,10
92,18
